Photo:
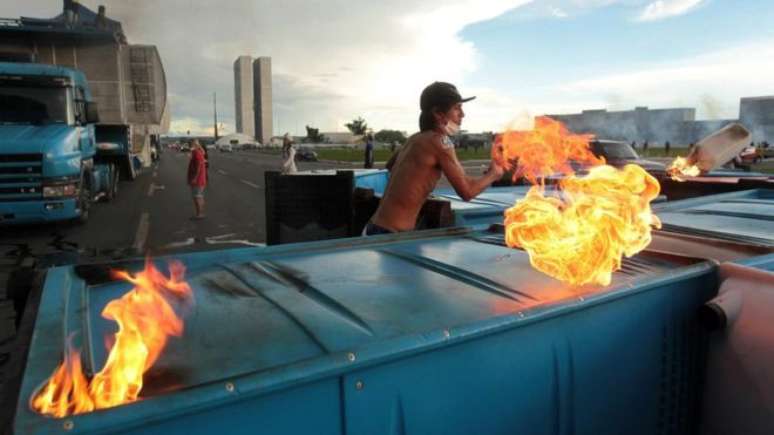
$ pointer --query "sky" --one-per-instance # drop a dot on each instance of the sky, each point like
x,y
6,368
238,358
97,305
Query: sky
x,y
335,60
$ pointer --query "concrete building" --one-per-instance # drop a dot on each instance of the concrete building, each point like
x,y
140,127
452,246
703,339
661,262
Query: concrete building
x,y
243,95
640,124
678,125
262,99
757,114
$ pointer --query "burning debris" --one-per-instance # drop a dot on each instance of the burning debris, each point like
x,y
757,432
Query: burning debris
x,y
711,152
579,235
146,319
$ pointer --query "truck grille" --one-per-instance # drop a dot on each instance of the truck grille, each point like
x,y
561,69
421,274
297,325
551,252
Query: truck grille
x,y
21,177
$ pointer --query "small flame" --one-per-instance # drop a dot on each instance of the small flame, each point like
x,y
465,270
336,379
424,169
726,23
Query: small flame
x,y
580,235
145,320
680,168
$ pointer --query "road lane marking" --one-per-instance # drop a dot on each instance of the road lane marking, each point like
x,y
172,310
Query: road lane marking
x,y
141,236
222,172
251,184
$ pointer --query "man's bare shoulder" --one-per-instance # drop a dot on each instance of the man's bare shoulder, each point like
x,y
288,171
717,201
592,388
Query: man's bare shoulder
x,y
431,139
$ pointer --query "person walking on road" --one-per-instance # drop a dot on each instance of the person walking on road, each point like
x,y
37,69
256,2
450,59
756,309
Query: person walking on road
x,y
197,178
288,155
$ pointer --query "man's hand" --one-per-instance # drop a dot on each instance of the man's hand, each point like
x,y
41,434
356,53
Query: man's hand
x,y
495,170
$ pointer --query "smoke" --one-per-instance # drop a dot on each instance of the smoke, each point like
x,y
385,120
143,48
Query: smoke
x,y
710,107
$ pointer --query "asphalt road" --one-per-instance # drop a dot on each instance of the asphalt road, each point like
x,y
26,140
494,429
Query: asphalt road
x,y
152,215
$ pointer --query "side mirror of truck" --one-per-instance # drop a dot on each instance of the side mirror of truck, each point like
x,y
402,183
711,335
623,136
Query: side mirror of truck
x,y
92,115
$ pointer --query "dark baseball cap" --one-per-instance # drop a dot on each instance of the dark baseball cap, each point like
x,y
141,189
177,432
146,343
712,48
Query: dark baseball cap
x,y
438,94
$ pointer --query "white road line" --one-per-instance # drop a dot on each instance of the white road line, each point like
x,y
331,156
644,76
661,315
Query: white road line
x,y
251,184
222,172
141,236
151,188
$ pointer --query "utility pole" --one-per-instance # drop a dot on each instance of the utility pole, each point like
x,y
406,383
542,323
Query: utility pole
x,y
215,112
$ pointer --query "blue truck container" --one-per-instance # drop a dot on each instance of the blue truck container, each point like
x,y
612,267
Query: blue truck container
x,y
435,332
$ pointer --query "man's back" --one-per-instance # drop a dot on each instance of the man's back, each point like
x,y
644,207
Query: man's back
x,y
414,175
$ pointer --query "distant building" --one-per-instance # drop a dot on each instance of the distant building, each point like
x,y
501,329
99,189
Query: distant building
x,y
640,124
676,125
243,95
757,114
262,99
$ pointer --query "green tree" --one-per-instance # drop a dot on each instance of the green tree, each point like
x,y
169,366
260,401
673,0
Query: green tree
x,y
390,136
357,126
313,135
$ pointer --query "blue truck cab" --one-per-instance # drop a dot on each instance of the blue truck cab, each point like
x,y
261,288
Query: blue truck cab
x,y
48,145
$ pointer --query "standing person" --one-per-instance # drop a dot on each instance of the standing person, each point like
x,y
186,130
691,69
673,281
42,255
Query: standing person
x,y
667,147
645,146
197,177
369,151
421,161
101,22
288,155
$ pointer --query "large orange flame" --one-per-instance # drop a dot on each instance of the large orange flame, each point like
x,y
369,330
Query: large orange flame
x,y
681,168
145,320
580,235
548,149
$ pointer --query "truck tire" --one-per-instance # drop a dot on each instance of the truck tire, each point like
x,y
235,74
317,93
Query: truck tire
x,y
115,175
84,198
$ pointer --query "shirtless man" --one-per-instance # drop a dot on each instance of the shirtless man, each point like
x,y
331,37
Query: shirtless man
x,y
416,169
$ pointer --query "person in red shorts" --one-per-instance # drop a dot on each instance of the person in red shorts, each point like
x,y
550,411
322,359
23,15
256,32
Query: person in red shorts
x,y
197,177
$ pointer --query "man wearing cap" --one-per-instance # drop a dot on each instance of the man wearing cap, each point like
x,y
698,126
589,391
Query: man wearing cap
x,y
416,169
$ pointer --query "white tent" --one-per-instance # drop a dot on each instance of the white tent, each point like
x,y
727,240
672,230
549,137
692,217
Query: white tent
x,y
236,139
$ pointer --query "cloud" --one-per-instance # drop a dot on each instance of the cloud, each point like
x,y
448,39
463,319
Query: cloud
x,y
661,9
332,61
686,82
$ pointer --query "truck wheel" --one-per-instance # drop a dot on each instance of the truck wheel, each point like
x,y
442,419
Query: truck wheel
x,y
114,179
84,199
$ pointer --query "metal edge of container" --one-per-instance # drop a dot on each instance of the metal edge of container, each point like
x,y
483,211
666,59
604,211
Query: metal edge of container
x,y
186,401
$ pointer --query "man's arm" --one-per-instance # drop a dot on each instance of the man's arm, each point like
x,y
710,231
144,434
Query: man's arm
x,y
466,187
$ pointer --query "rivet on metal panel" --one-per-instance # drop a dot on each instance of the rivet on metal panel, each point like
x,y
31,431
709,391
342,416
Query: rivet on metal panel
x,y
359,385
446,333
351,356
230,387
68,425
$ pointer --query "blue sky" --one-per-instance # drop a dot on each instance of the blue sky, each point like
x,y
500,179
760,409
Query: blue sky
x,y
524,47
333,61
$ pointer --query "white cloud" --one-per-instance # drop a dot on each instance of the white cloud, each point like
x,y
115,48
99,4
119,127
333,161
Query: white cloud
x,y
558,13
331,60
661,9
720,77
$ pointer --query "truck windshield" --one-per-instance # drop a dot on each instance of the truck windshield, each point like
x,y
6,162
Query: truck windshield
x,y
34,105
615,151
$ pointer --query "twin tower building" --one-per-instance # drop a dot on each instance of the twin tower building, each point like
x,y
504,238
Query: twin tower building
x,y
252,96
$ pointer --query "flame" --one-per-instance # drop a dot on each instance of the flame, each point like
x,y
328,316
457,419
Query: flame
x,y
580,235
680,168
145,320
546,150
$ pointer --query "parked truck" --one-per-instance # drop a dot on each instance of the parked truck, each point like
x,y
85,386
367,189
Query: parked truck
x,y
81,109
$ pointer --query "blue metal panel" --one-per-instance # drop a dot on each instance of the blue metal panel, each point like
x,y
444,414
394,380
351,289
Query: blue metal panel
x,y
765,262
375,179
35,211
746,216
449,331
